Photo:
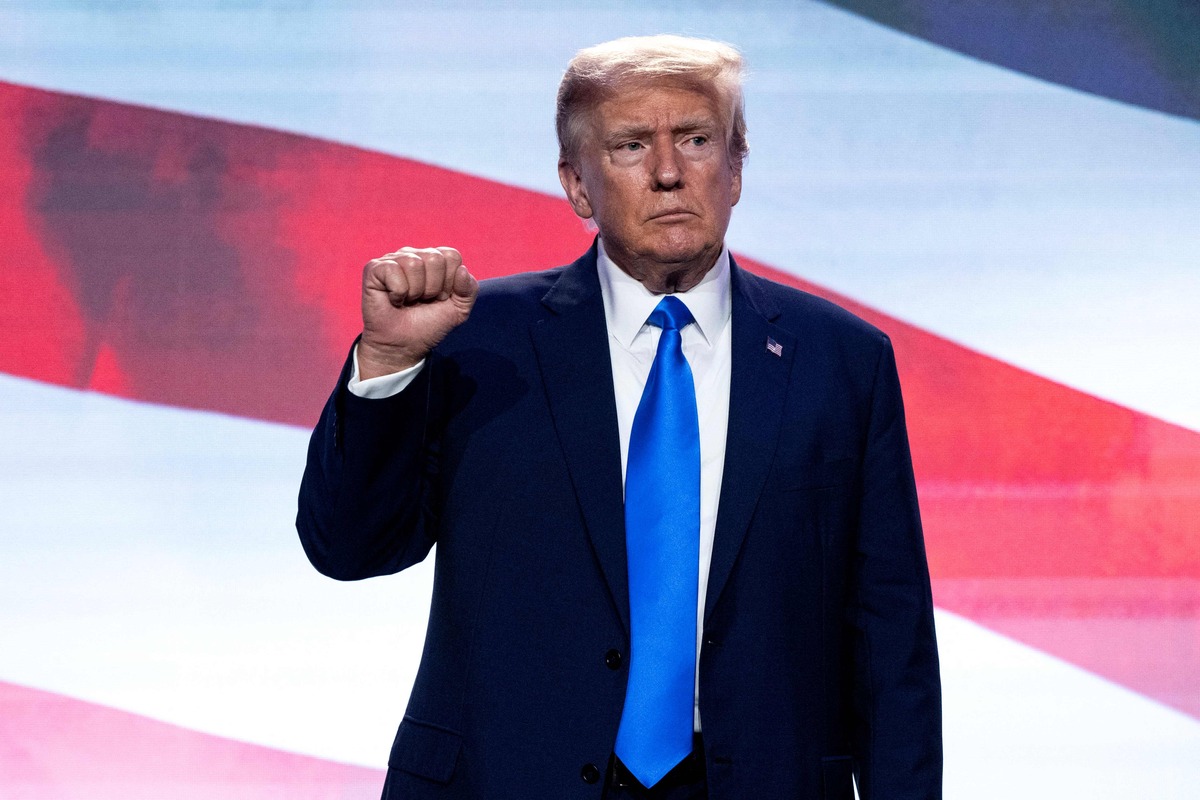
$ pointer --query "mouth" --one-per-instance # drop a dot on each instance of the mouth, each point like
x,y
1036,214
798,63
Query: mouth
x,y
675,215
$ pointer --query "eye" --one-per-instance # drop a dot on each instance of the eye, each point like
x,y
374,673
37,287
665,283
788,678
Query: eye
x,y
632,147
698,141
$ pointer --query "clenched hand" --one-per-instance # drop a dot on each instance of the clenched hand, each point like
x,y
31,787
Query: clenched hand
x,y
411,299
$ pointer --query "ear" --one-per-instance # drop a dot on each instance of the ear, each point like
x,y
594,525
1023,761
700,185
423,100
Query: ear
x,y
572,183
735,186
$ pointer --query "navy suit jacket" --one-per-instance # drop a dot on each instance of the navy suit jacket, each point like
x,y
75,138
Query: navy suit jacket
x,y
818,657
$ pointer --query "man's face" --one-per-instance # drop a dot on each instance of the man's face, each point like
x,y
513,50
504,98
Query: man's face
x,y
653,171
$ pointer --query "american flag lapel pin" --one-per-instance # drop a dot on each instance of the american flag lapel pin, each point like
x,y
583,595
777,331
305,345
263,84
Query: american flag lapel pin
x,y
774,347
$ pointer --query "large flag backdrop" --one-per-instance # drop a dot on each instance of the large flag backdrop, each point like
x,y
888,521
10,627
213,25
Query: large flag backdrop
x,y
187,194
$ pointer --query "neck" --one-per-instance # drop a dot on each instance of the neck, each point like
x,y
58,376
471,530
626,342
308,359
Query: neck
x,y
666,278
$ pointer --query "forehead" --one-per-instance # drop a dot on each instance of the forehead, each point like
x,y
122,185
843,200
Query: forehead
x,y
653,106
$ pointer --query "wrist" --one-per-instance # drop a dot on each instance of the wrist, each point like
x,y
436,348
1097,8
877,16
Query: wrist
x,y
375,360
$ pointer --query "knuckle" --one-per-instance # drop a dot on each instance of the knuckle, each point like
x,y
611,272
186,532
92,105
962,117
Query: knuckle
x,y
451,255
377,270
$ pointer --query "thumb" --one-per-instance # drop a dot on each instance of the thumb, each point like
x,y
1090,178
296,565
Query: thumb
x,y
466,288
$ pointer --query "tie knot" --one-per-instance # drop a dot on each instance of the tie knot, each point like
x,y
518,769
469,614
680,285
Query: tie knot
x,y
670,314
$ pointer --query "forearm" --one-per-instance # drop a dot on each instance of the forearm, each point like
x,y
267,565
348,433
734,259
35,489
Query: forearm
x,y
363,506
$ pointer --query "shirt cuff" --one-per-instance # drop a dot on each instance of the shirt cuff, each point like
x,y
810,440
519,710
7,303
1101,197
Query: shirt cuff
x,y
384,385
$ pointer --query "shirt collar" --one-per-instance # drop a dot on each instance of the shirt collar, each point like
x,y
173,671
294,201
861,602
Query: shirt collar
x,y
627,303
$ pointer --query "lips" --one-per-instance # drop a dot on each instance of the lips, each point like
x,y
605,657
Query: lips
x,y
676,214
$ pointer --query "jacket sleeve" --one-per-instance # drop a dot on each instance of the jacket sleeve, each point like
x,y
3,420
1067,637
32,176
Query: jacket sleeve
x,y
365,498
898,738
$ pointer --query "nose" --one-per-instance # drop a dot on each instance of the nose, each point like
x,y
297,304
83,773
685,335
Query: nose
x,y
667,167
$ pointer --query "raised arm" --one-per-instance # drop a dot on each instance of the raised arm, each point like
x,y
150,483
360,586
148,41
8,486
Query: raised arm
x,y
364,505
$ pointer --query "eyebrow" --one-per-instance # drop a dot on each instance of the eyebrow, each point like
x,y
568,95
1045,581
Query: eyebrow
x,y
641,131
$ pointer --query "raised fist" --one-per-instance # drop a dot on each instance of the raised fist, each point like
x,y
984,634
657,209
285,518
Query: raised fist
x,y
410,300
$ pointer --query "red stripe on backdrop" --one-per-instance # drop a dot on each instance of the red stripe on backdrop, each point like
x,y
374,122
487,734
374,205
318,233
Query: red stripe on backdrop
x,y
216,266
58,748
1061,520
203,264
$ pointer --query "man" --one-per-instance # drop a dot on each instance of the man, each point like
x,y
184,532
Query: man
x,y
678,548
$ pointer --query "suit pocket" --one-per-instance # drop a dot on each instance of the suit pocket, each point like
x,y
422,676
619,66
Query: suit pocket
x,y
837,778
426,750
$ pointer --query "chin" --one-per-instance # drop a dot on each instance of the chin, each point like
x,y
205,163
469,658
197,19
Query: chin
x,y
678,252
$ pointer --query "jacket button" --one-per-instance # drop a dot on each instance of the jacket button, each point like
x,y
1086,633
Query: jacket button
x,y
612,659
589,773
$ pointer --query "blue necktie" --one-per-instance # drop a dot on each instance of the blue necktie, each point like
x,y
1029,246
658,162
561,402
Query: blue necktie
x,y
662,542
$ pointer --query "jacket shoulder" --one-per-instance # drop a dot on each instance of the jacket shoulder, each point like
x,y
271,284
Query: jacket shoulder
x,y
514,296
806,315
503,312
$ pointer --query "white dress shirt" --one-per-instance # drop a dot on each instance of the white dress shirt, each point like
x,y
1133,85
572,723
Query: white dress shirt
x,y
632,344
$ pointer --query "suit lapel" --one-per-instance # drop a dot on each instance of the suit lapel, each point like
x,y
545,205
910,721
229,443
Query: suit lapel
x,y
758,388
572,351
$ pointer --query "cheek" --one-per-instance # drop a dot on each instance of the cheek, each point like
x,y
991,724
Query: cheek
x,y
622,199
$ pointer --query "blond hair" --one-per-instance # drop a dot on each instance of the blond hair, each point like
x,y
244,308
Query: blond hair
x,y
599,72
